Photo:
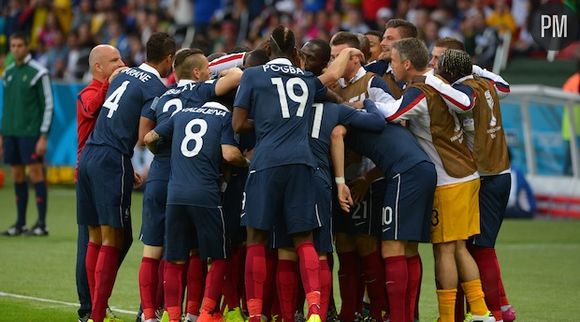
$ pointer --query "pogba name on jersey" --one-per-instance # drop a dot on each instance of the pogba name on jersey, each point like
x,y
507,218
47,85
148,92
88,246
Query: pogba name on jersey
x,y
283,68
140,75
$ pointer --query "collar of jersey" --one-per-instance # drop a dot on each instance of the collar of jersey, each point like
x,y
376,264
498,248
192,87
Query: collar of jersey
x,y
27,59
183,82
389,69
360,73
463,79
279,61
150,69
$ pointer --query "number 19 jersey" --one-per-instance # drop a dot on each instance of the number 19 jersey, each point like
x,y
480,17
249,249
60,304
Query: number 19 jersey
x,y
279,97
132,91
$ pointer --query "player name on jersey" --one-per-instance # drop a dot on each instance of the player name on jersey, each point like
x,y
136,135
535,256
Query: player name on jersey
x,y
140,75
288,69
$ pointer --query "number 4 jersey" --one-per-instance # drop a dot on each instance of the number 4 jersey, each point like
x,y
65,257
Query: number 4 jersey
x,y
197,136
279,97
132,91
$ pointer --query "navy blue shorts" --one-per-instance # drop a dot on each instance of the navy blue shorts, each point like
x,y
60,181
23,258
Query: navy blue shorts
x,y
365,217
153,215
190,227
323,237
494,193
232,207
20,150
105,183
281,194
408,203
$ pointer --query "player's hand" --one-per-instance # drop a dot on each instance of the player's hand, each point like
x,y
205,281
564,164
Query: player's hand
x,y
137,180
344,197
359,187
357,104
116,72
248,154
41,145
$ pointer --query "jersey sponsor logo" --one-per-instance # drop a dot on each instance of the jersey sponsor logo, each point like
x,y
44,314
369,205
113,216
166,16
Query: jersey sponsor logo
x,y
283,68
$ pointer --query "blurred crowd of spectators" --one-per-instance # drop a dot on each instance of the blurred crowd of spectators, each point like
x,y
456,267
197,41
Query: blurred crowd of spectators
x,y
62,32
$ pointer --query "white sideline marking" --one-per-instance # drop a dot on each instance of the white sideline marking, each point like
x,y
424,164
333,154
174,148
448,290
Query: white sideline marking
x,y
39,299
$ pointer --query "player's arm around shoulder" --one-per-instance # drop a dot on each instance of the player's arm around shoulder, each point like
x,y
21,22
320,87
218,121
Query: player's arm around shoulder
x,y
229,80
234,156
501,86
458,97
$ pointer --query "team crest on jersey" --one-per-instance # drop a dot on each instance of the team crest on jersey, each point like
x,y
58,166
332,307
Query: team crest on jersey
x,y
24,77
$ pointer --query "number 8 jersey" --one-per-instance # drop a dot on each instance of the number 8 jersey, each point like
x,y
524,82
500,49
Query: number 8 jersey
x,y
196,154
279,97
130,93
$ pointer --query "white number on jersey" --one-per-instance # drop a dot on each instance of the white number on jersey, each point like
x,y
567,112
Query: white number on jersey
x,y
173,102
112,102
193,136
318,110
301,98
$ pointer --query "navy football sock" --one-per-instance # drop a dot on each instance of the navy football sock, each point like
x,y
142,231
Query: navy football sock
x,y
21,190
41,195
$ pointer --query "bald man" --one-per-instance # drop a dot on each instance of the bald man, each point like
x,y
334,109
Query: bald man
x,y
105,62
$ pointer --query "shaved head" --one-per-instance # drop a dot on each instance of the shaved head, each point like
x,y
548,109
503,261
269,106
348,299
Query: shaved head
x,y
104,60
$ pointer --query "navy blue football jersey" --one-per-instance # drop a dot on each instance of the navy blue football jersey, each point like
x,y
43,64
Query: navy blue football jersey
x,y
132,91
279,97
394,150
328,115
197,135
186,94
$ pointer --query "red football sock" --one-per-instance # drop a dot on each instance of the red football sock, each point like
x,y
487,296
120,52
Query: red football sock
x,y
287,286
195,284
348,277
486,260
91,264
173,284
310,272
460,305
105,274
214,284
234,267
414,271
503,300
255,276
325,288
148,275
375,283
159,294
269,284
397,279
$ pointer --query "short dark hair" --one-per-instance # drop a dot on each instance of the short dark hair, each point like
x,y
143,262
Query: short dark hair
x,y
365,46
406,29
375,33
159,46
414,50
282,41
20,35
324,48
345,38
450,43
455,64
256,58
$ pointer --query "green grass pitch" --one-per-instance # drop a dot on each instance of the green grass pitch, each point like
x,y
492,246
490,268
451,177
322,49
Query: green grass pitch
x,y
540,261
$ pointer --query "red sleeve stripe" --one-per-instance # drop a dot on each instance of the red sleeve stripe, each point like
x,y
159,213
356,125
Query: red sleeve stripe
x,y
461,106
406,108
226,59
504,88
